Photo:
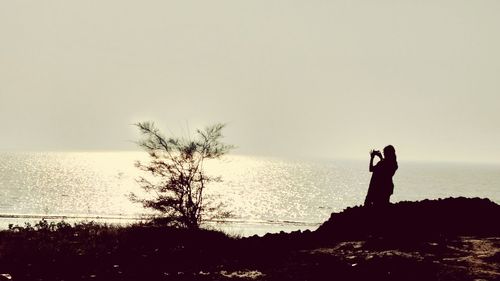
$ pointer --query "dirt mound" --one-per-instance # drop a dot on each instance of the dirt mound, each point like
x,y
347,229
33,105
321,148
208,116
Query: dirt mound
x,y
427,218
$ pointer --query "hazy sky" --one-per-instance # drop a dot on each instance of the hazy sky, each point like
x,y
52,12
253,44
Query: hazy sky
x,y
294,78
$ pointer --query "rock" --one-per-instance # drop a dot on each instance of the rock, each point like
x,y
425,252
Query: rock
x,y
427,218
5,276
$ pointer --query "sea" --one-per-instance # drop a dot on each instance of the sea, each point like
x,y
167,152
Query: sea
x,y
263,194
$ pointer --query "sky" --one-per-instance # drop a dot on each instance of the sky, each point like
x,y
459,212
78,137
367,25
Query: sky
x,y
329,79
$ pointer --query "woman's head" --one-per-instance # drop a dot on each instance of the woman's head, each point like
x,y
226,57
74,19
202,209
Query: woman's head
x,y
390,153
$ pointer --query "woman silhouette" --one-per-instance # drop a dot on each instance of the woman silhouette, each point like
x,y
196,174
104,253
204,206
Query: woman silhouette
x,y
381,185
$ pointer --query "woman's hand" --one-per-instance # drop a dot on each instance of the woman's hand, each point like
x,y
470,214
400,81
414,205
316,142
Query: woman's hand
x,y
374,153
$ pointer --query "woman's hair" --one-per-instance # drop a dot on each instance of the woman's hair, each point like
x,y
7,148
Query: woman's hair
x,y
390,153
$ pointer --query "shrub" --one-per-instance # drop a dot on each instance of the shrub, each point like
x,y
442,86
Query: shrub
x,y
179,179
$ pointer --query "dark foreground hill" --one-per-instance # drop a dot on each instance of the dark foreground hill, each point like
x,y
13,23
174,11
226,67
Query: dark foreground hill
x,y
449,239
427,218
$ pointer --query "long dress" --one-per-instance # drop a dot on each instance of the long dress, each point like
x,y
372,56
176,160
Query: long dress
x,y
381,185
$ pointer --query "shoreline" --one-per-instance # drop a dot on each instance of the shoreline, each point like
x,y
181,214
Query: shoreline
x,y
238,227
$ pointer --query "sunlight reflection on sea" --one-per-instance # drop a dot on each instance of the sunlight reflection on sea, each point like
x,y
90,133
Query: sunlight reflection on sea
x,y
263,193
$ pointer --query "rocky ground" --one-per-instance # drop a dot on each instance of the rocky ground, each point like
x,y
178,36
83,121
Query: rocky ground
x,y
450,239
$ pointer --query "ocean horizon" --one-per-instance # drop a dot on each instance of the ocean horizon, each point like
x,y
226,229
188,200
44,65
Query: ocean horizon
x,y
264,194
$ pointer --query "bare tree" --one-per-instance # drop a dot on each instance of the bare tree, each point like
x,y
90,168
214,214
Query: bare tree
x,y
179,178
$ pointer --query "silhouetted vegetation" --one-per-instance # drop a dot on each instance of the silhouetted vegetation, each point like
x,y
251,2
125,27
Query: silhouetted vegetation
x,y
460,241
177,166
